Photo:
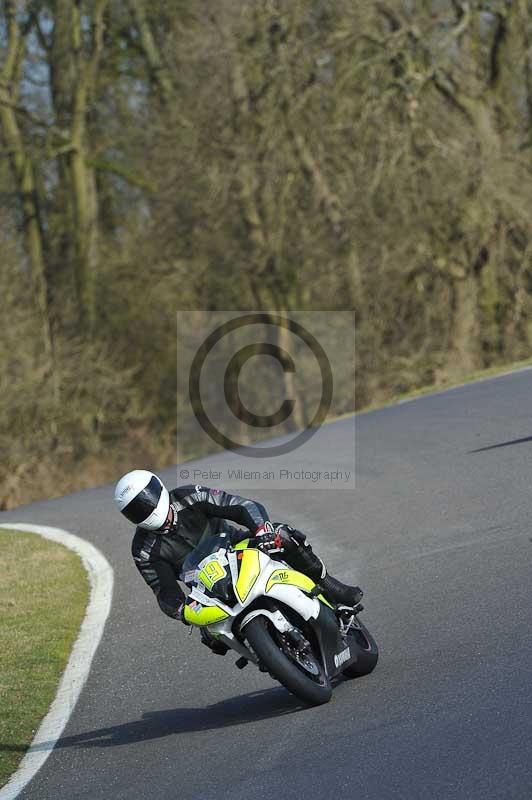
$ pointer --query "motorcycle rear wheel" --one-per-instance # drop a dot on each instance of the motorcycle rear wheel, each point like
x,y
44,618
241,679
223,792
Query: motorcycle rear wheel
x,y
314,692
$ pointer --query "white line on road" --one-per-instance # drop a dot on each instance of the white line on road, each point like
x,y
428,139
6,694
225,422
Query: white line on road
x,y
77,669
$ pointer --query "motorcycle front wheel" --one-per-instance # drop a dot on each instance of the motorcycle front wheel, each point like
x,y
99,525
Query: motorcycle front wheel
x,y
303,676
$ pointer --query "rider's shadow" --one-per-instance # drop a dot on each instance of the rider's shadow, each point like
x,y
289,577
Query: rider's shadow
x,y
251,707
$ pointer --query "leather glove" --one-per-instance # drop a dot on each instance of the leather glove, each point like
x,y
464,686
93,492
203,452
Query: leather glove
x,y
173,607
269,539
180,614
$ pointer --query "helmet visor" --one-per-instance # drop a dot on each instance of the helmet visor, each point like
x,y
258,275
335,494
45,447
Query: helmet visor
x,y
144,503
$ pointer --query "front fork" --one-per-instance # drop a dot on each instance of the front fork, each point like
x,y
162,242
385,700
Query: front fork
x,y
329,637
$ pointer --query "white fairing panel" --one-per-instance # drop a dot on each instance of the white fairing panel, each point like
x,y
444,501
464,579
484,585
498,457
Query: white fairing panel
x,y
307,607
278,619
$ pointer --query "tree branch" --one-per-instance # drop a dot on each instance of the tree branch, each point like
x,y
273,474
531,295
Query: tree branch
x,y
151,52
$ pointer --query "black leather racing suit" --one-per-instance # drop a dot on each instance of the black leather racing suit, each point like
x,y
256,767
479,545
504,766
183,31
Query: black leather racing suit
x,y
199,510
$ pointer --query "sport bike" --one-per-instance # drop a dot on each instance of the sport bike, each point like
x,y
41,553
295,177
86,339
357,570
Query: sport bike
x,y
275,617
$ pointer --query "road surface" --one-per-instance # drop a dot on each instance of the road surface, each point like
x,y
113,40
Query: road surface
x,y
438,532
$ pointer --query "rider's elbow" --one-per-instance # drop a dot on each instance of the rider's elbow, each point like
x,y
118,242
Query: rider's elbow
x,y
171,606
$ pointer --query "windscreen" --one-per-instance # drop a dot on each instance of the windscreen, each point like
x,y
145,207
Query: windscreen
x,y
207,545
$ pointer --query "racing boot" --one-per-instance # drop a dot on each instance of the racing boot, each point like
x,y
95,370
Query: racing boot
x,y
213,643
305,560
340,593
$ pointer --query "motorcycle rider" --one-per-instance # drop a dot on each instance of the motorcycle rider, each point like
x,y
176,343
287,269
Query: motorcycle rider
x,y
170,525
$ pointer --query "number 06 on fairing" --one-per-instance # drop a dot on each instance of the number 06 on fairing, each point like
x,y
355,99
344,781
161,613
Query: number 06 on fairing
x,y
274,617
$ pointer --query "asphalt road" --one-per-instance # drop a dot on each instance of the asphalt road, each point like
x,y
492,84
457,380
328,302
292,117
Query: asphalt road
x,y
438,532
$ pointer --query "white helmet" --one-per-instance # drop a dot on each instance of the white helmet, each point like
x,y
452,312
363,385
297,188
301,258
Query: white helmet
x,y
143,499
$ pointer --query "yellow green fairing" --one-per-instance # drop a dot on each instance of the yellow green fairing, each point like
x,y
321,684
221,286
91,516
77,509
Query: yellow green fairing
x,y
242,545
204,615
290,577
249,572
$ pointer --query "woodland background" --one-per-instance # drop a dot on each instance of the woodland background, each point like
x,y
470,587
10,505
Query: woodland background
x,y
268,154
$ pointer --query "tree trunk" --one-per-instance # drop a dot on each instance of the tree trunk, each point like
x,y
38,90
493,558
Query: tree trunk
x,y
24,177
157,69
464,350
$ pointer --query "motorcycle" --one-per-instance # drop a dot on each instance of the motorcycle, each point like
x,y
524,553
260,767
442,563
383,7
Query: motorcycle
x,y
274,617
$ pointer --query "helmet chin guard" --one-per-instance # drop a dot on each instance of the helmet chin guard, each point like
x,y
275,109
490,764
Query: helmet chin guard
x,y
143,499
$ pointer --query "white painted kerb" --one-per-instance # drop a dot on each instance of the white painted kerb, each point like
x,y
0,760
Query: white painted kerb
x,y
77,669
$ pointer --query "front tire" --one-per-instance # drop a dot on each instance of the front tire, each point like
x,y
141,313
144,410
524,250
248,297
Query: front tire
x,y
282,668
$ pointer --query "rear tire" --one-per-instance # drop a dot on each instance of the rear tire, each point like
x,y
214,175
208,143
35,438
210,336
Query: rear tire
x,y
283,668
368,653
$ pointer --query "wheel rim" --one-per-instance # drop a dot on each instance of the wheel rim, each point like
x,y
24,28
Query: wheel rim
x,y
307,662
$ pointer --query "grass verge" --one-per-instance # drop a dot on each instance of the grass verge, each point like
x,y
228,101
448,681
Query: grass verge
x,y
43,596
